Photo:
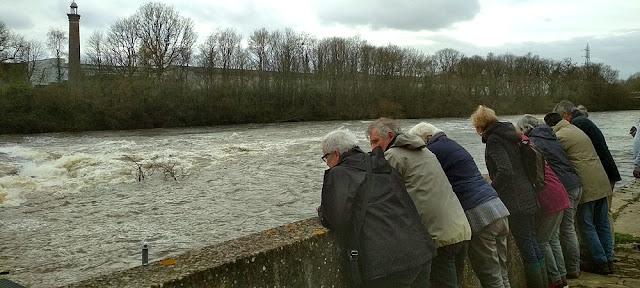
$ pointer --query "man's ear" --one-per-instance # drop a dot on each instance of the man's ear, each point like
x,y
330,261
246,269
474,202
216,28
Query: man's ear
x,y
390,134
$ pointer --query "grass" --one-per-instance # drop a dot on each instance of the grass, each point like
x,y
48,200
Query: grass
x,y
621,238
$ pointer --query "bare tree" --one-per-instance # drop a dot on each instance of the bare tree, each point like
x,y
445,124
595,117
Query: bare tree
x,y
5,39
123,44
34,51
164,35
258,47
447,59
227,43
95,49
56,39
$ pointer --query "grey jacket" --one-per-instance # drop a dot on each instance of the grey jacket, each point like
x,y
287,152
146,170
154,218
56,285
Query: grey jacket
x,y
430,190
583,157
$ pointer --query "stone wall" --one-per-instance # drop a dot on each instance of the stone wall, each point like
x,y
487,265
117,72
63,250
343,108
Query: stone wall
x,y
302,254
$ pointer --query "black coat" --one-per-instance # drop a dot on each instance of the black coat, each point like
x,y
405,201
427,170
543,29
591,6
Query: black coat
x,y
599,143
392,237
506,170
546,140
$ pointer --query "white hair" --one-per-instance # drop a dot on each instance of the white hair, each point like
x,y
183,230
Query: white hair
x,y
424,129
528,122
341,140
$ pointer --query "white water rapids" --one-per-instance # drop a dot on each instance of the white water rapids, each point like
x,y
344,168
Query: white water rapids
x,y
71,206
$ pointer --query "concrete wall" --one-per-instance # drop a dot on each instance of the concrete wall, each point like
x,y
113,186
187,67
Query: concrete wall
x,y
302,254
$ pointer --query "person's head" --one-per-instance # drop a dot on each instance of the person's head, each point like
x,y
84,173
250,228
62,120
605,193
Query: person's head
x,y
565,109
424,130
583,110
381,132
335,143
552,119
527,122
482,118
632,131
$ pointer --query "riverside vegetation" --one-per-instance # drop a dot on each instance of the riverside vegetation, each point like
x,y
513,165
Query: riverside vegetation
x,y
132,81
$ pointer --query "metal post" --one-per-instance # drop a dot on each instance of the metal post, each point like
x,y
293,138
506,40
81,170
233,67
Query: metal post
x,y
145,253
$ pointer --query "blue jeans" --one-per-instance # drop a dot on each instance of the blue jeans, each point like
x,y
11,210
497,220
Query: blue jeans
x,y
596,229
523,230
568,236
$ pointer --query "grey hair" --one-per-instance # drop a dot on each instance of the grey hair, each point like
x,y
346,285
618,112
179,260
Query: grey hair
x,y
528,122
424,129
583,110
384,126
565,106
341,140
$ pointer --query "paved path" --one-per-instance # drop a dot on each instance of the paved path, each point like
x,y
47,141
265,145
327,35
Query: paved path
x,y
626,207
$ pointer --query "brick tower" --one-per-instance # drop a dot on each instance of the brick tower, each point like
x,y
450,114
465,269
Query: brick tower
x,y
74,43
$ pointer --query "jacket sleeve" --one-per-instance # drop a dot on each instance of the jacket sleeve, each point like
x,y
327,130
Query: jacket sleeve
x,y
499,156
338,193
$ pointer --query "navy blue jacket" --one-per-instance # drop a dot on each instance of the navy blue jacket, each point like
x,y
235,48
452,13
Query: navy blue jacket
x,y
545,139
506,169
599,143
461,170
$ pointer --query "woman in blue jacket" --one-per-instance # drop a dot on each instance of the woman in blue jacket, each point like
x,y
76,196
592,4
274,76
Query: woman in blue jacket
x,y
486,213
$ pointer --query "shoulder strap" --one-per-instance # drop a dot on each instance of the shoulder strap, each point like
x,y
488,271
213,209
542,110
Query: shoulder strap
x,y
358,221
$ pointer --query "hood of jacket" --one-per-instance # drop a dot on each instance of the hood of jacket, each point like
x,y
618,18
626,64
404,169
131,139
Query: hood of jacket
x,y
542,131
354,158
504,130
407,141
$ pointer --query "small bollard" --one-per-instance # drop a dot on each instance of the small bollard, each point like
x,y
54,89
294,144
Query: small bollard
x,y
145,253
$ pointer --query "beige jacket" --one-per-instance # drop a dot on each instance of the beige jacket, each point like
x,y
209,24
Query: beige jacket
x,y
595,183
430,190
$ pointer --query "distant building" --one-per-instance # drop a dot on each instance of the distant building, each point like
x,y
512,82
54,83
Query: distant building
x,y
45,71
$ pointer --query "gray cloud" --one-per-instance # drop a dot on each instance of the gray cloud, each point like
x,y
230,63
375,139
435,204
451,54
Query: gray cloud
x,y
246,20
412,15
618,51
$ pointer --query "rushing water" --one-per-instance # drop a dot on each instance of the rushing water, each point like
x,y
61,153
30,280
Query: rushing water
x,y
71,205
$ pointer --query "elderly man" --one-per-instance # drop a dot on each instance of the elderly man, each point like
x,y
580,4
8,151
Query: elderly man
x,y
433,196
487,215
572,114
592,209
365,201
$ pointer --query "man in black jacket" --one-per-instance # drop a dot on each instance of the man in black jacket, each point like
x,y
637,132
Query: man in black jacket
x,y
365,201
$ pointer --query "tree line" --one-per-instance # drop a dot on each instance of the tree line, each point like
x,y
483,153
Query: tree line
x,y
146,71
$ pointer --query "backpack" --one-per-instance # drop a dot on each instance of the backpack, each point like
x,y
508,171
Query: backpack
x,y
533,160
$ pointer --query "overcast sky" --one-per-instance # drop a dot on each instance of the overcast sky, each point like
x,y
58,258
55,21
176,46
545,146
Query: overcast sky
x,y
555,29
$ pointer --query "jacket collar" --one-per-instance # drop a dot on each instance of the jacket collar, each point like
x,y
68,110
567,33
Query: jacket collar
x,y
436,137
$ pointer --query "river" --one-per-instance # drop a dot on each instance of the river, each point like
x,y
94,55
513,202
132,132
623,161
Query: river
x,y
72,206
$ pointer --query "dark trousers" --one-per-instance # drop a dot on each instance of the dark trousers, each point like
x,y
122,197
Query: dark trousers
x,y
417,277
523,229
447,267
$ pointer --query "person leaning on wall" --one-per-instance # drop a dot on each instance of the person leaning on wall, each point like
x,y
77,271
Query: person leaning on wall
x,y
571,113
591,217
487,215
508,177
555,202
432,195
365,201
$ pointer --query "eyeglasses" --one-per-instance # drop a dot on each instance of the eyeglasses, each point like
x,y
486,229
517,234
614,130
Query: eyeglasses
x,y
324,157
